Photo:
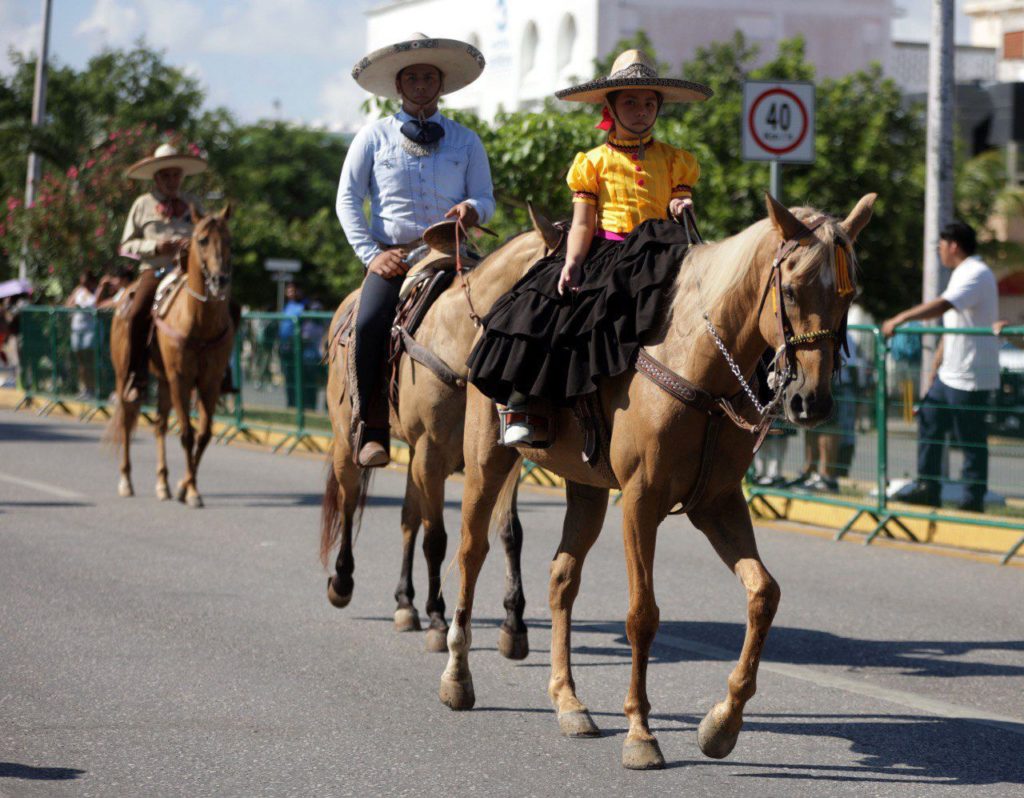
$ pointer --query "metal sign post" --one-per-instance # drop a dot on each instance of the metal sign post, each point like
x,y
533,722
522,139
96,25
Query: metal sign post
x,y
282,270
778,125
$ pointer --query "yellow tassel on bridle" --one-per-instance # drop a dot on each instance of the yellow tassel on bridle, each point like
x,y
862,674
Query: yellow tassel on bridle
x,y
844,285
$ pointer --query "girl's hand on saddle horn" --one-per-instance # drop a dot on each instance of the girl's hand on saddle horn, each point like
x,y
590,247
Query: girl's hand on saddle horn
x,y
678,206
389,263
569,278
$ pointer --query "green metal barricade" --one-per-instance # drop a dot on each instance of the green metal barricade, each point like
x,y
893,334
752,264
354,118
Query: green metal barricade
x,y
860,460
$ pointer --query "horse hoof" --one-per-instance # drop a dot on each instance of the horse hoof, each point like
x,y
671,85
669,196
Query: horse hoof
x,y
124,488
163,493
642,755
714,737
513,645
457,695
437,640
578,723
195,500
180,493
339,600
407,620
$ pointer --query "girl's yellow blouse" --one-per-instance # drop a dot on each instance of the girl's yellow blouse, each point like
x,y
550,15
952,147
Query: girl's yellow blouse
x,y
627,190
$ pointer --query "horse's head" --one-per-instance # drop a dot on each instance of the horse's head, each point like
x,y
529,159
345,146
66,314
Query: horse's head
x,y
211,249
805,301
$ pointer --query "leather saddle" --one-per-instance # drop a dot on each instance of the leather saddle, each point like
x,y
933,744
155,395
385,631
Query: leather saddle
x,y
430,276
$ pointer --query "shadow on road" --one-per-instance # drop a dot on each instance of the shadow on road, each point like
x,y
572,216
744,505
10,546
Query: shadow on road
x,y
14,770
891,748
41,432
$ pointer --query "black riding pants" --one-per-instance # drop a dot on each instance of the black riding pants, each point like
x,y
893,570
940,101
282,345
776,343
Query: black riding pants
x,y
377,305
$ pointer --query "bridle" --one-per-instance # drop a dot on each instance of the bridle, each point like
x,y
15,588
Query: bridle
x,y
791,341
216,285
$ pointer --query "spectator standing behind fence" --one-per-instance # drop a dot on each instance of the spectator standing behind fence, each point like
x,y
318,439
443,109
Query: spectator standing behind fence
x,y
83,332
965,371
294,306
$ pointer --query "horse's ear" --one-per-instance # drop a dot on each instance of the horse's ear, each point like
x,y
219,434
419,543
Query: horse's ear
x,y
197,217
225,213
784,221
859,216
541,224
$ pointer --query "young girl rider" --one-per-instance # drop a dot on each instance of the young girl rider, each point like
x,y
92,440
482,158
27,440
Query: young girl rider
x,y
581,313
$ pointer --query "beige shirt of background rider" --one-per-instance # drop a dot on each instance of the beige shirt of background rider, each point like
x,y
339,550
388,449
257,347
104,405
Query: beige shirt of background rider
x,y
152,221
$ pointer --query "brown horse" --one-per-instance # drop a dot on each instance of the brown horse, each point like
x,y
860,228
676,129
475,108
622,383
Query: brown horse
x,y
193,343
430,420
662,451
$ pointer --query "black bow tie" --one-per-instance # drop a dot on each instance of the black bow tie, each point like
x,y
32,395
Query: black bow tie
x,y
422,132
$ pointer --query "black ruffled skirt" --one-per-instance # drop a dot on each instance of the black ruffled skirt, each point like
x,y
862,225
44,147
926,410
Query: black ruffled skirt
x,y
557,347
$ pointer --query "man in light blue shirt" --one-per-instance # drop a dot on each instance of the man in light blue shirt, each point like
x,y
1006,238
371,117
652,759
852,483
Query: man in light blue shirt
x,y
417,168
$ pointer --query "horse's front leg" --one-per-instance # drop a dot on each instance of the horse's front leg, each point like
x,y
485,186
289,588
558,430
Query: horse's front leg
x,y
163,410
490,476
428,470
407,619
730,532
639,530
513,640
584,516
208,395
181,399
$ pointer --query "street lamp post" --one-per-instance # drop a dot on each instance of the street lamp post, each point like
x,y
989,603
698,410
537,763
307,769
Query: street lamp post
x,y
35,166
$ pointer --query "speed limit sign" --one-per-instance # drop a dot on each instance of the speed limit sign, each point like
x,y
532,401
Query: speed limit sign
x,y
778,121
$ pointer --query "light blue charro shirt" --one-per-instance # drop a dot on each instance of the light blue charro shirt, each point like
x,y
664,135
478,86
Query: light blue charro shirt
x,y
409,193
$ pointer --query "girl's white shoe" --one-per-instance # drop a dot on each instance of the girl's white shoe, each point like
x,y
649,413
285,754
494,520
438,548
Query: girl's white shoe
x,y
517,433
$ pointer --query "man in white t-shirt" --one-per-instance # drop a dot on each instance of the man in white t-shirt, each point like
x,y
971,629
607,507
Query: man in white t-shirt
x,y
963,375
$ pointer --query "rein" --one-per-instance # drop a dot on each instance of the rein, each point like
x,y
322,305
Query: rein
x,y
477,321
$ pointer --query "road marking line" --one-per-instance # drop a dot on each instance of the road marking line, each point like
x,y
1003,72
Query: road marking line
x,y
42,487
824,679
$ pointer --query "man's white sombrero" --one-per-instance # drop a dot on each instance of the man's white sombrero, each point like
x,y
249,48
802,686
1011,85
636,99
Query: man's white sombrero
x,y
459,62
166,156
634,69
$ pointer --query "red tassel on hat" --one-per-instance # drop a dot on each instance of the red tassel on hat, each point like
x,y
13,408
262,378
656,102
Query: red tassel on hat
x,y
606,123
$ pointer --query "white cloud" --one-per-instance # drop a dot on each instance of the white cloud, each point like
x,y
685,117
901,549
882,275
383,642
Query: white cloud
x,y
340,101
111,24
20,30
271,26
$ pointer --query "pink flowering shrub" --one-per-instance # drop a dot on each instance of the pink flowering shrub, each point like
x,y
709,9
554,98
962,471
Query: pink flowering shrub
x,y
78,216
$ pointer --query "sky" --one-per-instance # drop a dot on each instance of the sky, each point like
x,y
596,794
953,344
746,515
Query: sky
x,y
262,59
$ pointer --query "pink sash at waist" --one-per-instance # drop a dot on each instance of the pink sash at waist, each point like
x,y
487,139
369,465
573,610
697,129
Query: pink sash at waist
x,y
608,234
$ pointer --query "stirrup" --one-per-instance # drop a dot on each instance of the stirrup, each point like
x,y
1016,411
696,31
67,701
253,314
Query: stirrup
x,y
519,428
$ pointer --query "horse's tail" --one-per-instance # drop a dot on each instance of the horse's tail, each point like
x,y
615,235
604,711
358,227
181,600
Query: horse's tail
x,y
502,515
121,425
332,518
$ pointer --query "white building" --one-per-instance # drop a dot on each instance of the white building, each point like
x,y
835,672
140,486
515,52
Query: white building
x,y
1000,24
534,47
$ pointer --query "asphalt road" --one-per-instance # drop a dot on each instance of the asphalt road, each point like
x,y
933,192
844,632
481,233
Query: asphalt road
x,y
150,649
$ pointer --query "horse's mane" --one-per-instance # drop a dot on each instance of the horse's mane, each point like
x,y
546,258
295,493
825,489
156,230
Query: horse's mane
x,y
715,269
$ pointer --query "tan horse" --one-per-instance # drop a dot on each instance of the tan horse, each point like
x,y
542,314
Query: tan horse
x,y
193,344
430,420
660,455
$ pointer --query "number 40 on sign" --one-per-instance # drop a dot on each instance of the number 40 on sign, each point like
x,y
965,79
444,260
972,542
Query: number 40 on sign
x,y
778,121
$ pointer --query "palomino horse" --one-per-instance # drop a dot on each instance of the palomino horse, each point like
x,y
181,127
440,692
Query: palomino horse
x,y
662,451
430,420
193,345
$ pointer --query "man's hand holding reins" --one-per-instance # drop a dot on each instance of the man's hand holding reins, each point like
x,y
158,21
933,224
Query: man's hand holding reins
x,y
465,213
171,246
389,263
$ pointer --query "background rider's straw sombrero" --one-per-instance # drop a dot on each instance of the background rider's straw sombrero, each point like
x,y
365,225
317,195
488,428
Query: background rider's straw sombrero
x,y
166,156
634,69
461,64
